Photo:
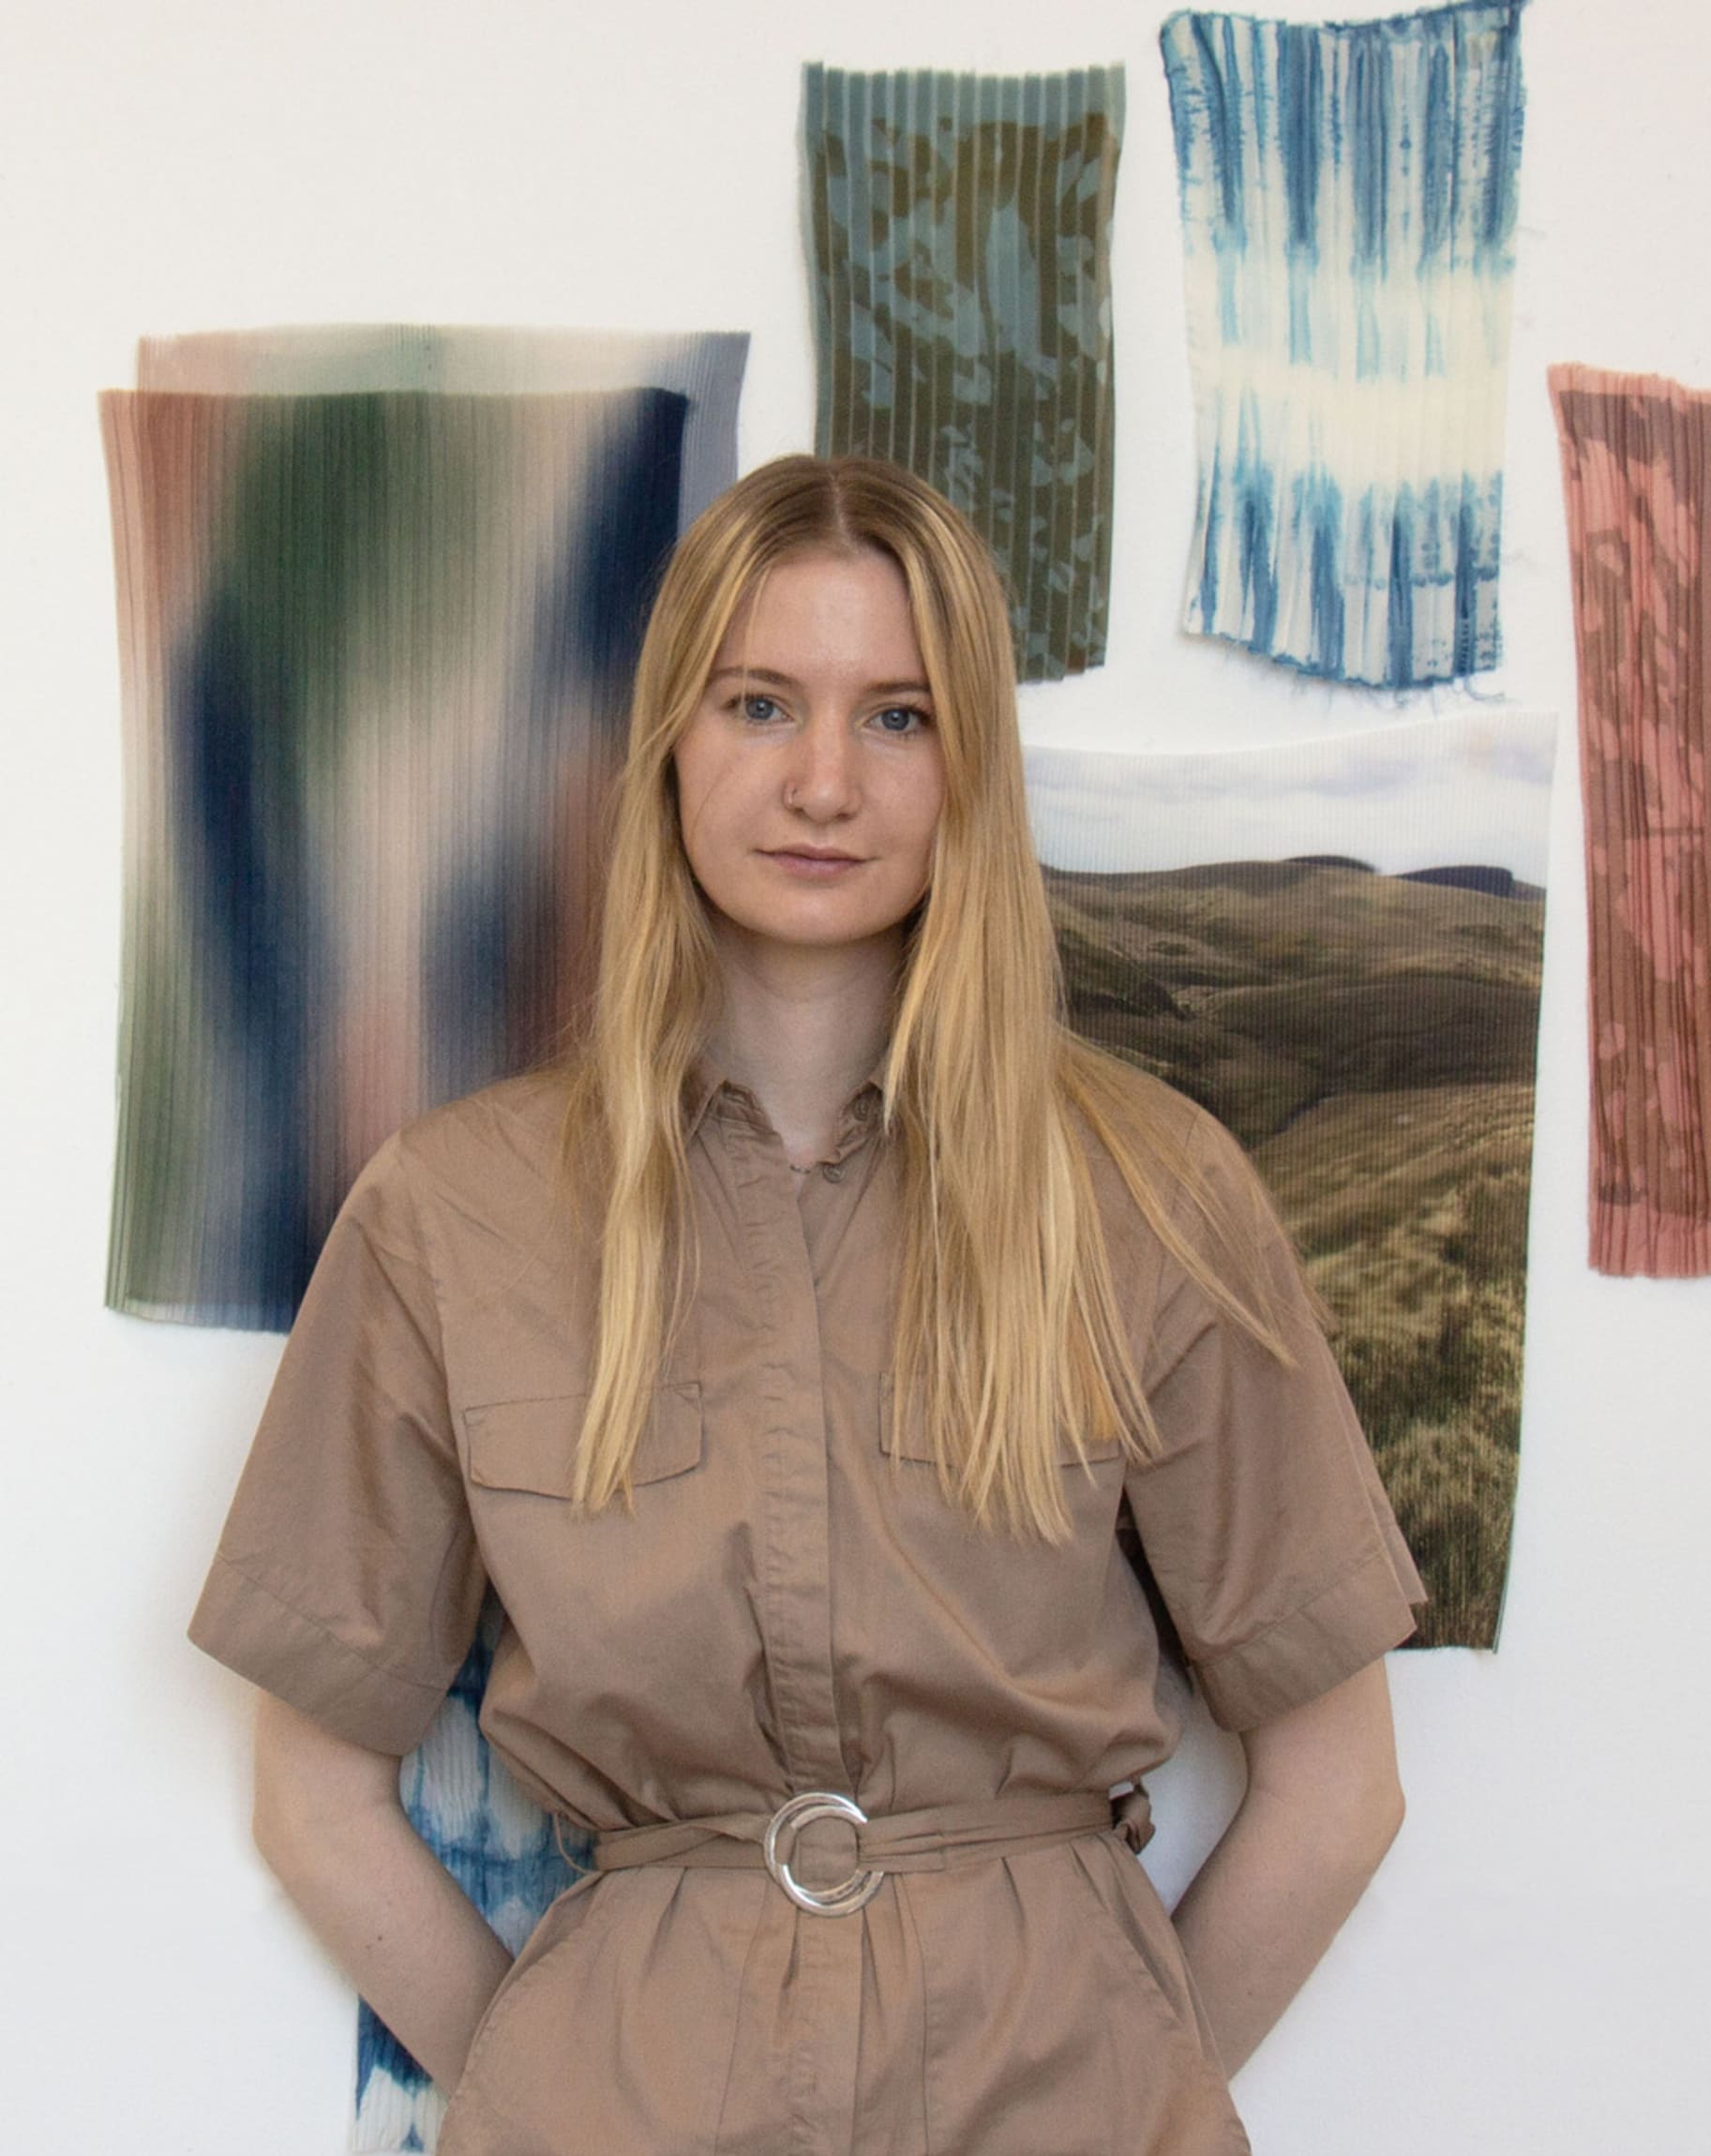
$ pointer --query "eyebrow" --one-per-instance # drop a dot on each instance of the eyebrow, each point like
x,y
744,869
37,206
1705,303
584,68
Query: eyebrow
x,y
776,681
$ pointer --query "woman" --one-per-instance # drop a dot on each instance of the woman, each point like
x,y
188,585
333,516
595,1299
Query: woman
x,y
789,1369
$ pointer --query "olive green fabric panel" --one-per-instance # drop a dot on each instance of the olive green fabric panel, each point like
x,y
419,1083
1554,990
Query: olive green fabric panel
x,y
959,228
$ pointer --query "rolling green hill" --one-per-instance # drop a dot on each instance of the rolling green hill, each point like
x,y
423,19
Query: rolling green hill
x,y
1370,1040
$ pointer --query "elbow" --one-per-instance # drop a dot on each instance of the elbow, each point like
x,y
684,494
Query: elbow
x,y
275,1824
1328,1769
1396,1809
1369,1822
1355,1818
1388,1812
281,1814
1344,1837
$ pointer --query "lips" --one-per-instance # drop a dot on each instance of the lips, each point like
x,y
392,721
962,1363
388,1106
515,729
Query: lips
x,y
814,864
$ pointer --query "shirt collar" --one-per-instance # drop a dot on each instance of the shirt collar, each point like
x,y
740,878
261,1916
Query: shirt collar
x,y
707,1085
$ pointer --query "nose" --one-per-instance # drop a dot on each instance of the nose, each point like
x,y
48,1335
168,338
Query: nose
x,y
822,781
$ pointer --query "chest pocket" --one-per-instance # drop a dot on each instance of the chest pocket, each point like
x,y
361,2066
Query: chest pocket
x,y
530,1445
915,1442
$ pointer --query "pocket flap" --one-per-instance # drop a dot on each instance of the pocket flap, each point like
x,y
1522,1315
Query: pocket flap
x,y
915,1442
908,1442
530,1445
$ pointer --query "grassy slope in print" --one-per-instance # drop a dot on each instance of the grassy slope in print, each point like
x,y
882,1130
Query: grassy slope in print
x,y
1370,1040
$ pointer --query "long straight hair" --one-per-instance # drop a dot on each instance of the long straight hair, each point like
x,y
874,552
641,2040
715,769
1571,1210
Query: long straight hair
x,y
1008,1339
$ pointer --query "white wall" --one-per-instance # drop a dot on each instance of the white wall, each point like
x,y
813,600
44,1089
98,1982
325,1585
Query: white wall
x,y
1527,1974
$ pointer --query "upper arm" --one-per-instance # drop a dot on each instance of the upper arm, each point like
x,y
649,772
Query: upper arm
x,y
1335,1754
306,1779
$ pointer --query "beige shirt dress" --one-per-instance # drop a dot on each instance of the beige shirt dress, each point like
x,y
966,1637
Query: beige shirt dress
x,y
790,1607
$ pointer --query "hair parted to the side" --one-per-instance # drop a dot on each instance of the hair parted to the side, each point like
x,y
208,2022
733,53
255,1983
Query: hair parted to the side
x,y
1007,1331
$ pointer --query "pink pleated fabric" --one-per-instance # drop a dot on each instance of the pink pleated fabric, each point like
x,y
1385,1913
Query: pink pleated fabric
x,y
1634,450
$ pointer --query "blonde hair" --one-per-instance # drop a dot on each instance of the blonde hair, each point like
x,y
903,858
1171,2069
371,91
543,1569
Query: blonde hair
x,y
1009,1330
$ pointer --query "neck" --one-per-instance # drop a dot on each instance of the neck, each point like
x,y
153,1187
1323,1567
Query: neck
x,y
802,1028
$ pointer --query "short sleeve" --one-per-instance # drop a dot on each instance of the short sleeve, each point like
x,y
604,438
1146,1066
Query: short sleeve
x,y
346,1579
1262,1516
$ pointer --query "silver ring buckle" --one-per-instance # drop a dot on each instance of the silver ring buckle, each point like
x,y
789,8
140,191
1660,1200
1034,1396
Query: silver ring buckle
x,y
850,1895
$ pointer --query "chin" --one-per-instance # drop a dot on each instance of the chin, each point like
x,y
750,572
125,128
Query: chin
x,y
821,934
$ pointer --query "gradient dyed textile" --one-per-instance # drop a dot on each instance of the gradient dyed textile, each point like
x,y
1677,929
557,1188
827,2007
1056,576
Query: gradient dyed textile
x,y
1348,206
375,650
1636,453
498,1845
343,358
960,227
1336,947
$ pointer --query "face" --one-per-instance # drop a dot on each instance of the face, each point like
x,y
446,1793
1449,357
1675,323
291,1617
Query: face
x,y
810,778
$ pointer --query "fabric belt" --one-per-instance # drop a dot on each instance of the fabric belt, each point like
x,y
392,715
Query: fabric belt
x,y
932,1839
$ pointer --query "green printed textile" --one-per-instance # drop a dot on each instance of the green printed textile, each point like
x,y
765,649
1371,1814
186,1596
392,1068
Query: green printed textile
x,y
960,227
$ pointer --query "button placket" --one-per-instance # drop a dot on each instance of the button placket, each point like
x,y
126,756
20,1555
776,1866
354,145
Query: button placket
x,y
782,1230
795,1554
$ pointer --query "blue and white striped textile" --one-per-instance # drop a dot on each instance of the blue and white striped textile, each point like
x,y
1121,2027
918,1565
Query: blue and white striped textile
x,y
499,1847
1348,196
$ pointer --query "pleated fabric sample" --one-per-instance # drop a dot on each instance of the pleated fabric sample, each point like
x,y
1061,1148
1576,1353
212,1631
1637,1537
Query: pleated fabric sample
x,y
1636,453
498,1845
326,359
375,650
1348,195
959,228
1336,947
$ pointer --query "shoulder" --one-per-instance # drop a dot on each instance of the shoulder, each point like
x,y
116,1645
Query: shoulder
x,y
1149,1104
1188,1226
512,1130
1132,1121
492,1161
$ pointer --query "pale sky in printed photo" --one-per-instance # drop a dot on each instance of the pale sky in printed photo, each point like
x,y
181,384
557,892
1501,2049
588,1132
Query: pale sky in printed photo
x,y
1445,792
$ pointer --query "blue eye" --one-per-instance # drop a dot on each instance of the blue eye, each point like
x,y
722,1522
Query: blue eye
x,y
901,719
759,709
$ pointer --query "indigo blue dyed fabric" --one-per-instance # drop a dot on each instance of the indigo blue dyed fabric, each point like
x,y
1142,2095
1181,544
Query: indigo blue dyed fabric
x,y
960,228
498,1846
1348,199
376,651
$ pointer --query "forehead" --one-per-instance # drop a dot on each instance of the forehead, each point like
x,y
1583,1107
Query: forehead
x,y
837,610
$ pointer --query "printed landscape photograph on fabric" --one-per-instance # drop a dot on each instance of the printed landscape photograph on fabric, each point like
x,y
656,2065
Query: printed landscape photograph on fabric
x,y
1336,947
